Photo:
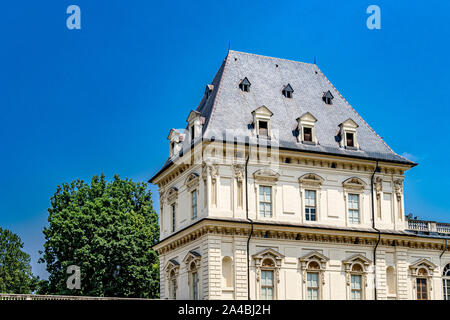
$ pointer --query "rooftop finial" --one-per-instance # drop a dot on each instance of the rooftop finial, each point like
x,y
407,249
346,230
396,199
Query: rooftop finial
x,y
314,59
229,45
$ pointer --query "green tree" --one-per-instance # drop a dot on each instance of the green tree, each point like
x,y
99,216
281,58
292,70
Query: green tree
x,y
108,230
15,269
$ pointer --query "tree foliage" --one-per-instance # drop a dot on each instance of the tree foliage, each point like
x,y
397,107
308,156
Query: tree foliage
x,y
107,229
15,268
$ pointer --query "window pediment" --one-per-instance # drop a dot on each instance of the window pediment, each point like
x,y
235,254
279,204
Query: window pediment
x,y
357,259
314,256
192,180
192,258
268,253
349,124
266,175
311,180
354,183
307,118
420,264
172,194
172,265
262,112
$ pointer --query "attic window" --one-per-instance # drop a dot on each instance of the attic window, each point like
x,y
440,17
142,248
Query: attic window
x,y
244,85
327,97
350,139
263,128
307,134
288,91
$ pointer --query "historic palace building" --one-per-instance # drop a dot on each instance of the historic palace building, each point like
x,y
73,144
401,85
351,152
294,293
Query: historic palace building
x,y
277,189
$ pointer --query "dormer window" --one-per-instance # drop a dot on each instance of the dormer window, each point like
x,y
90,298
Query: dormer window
x,y
350,139
263,128
261,121
348,134
244,85
306,131
327,97
307,134
195,124
288,91
174,142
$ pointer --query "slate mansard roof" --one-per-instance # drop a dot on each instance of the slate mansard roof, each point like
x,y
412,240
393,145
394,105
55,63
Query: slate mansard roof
x,y
228,107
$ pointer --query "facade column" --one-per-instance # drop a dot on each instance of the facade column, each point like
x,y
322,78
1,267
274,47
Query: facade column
x,y
240,267
214,267
381,274
401,255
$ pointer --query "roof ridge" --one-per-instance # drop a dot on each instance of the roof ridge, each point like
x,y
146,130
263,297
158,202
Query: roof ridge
x,y
362,119
216,98
273,58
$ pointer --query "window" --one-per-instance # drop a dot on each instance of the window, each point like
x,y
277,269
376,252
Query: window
x,y
194,204
327,97
355,286
173,286
353,208
446,282
265,201
194,279
244,85
288,91
267,285
174,217
313,286
422,290
263,128
350,139
310,205
192,133
307,134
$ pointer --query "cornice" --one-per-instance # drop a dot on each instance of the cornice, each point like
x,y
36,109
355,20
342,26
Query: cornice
x,y
266,230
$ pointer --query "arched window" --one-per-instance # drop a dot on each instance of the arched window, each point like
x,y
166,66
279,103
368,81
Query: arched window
x,y
313,267
172,268
227,272
422,274
192,261
446,282
267,265
173,285
356,269
391,281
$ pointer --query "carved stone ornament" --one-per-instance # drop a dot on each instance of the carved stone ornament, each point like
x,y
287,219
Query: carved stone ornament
x,y
398,188
268,259
266,175
354,183
310,180
239,172
378,186
192,180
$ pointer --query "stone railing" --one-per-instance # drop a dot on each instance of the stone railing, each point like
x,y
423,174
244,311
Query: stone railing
x,y
8,296
429,226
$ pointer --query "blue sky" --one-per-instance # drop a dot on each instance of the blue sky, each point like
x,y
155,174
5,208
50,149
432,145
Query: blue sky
x,y
102,99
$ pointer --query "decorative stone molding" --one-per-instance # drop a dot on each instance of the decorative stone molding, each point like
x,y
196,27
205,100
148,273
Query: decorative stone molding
x,y
239,174
172,194
192,260
398,188
266,176
192,181
422,268
262,257
306,264
354,184
172,266
310,180
378,186
349,266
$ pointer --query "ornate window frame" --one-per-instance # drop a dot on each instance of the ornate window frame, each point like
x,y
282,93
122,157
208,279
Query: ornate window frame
x,y
172,200
349,264
266,177
172,270
192,261
192,183
349,126
262,114
310,181
276,259
306,265
306,120
354,185
416,272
